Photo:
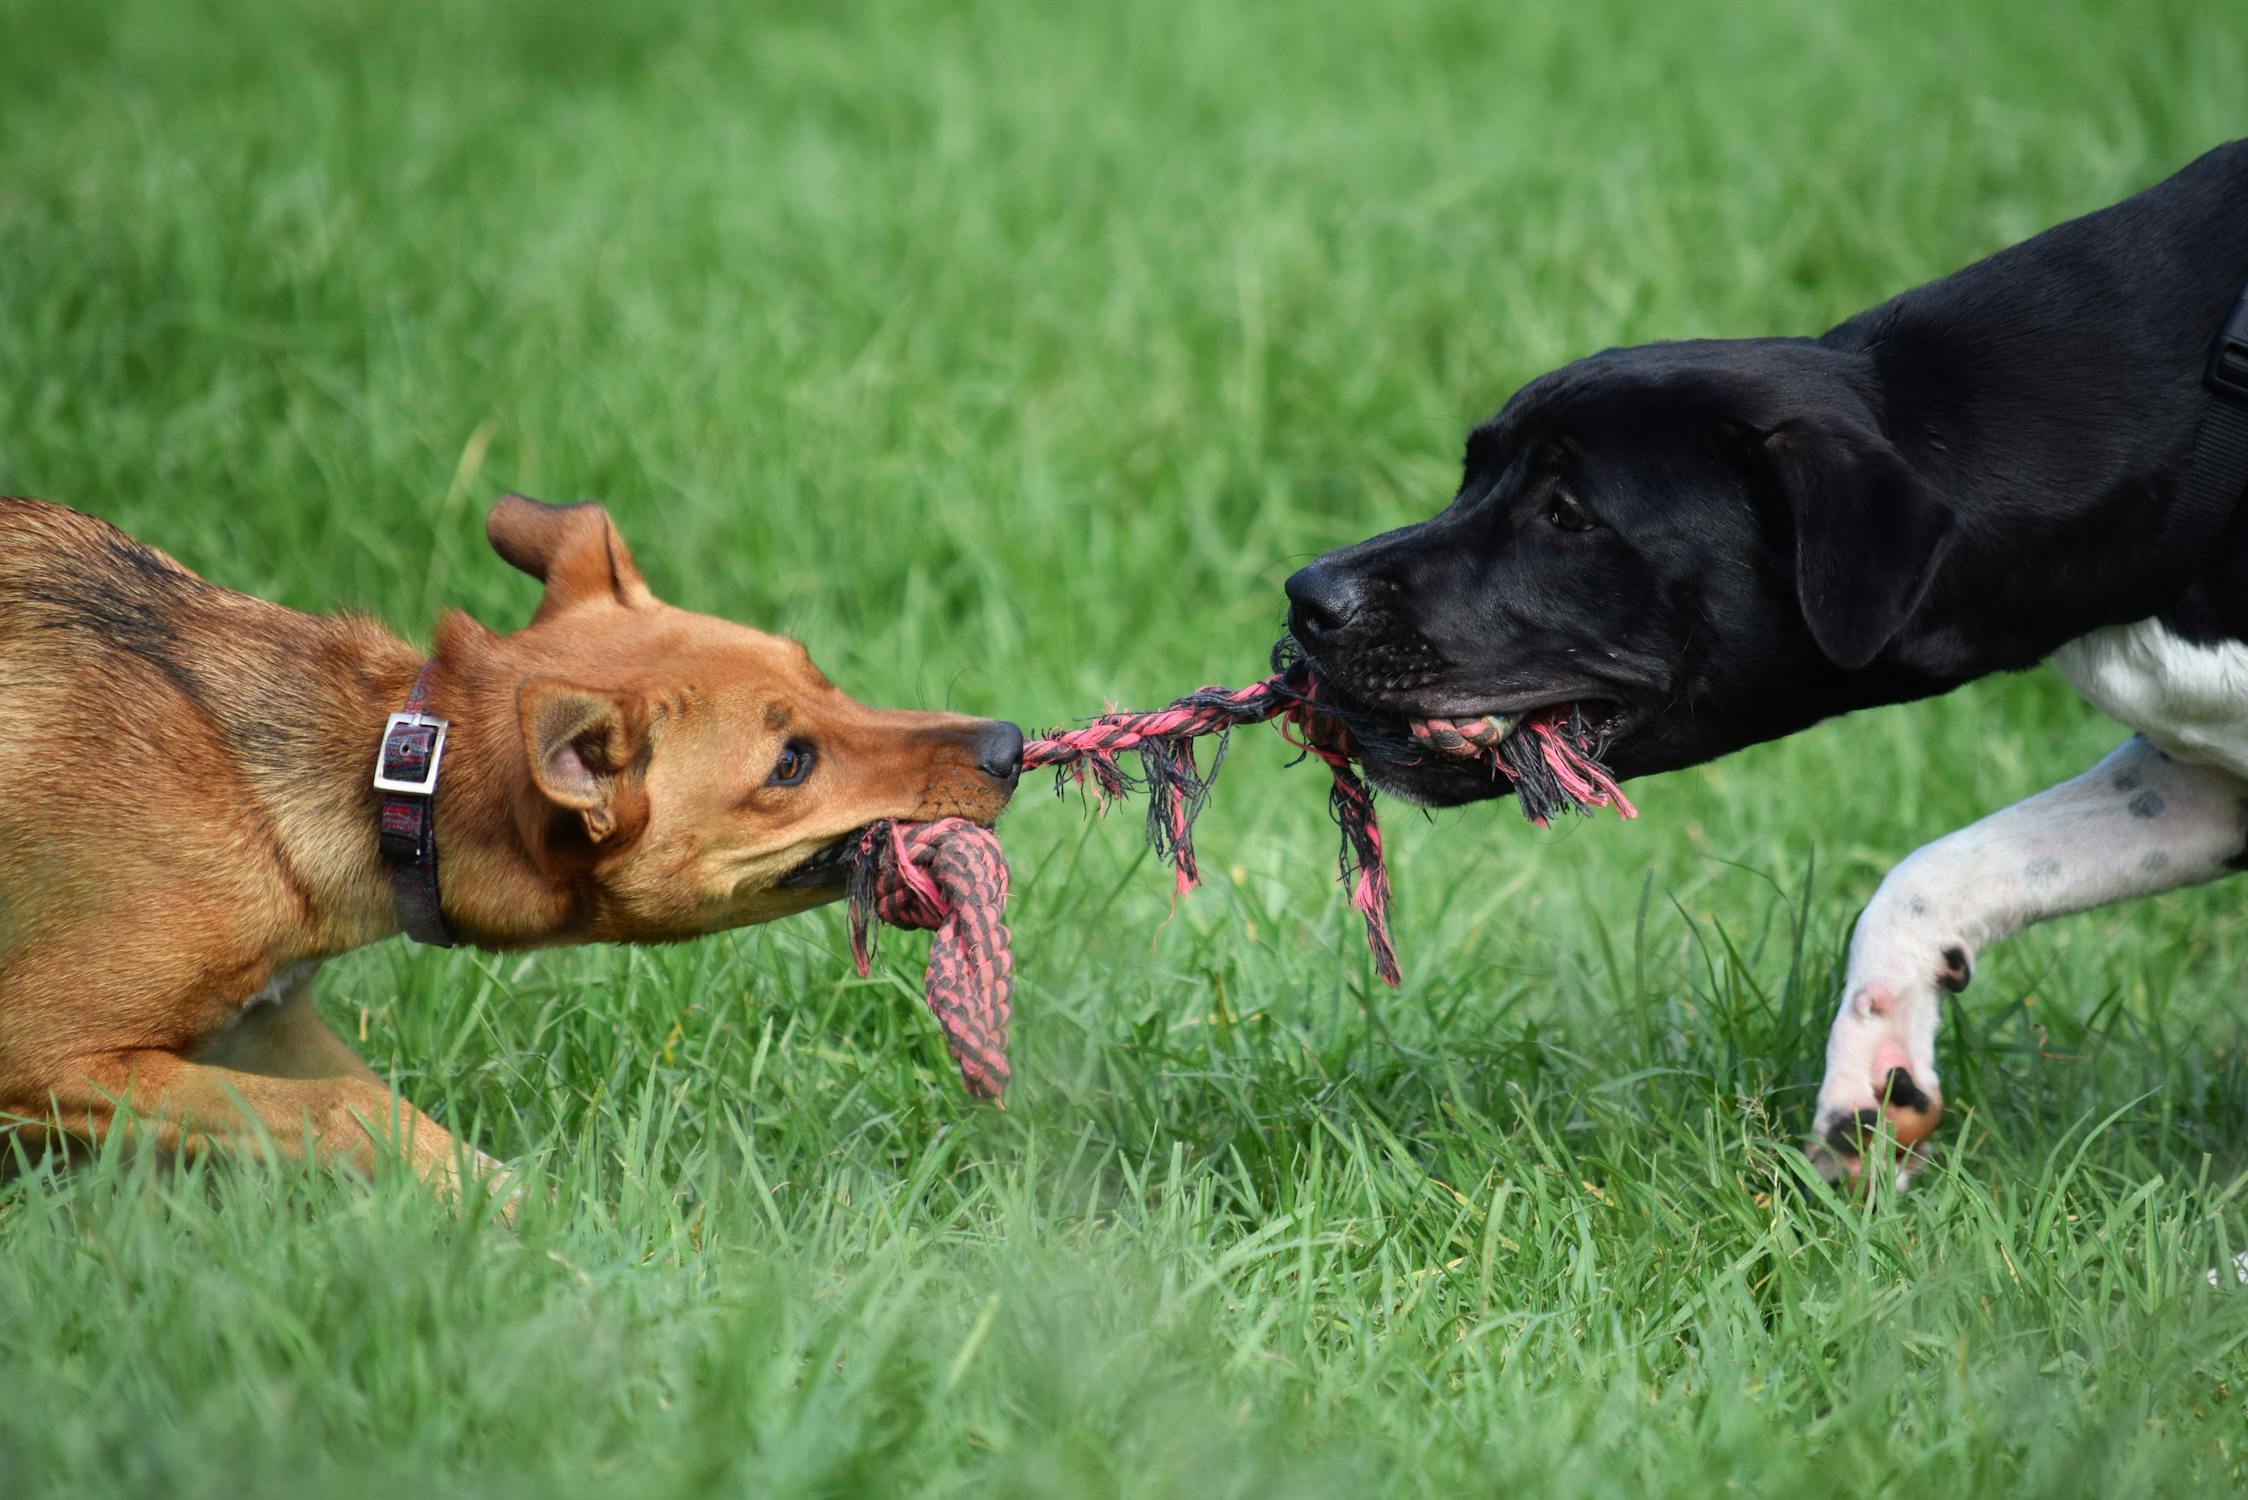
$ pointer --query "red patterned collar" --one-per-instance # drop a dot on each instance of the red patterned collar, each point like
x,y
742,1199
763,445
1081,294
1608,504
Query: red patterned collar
x,y
413,747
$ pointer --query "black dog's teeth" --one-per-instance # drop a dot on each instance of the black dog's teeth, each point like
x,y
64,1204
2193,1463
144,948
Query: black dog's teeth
x,y
1404,682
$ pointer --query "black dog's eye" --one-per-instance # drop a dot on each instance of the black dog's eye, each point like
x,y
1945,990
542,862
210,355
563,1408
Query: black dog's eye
x,y
794,765
1565,514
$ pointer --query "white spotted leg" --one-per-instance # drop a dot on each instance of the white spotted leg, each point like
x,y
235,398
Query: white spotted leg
x,y
2137,824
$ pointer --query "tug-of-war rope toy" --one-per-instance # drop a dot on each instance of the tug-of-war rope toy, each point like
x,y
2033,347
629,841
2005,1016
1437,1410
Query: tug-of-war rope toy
x,y
949,876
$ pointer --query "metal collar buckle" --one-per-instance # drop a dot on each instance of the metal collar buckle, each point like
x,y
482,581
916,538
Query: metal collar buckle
x,y
413,744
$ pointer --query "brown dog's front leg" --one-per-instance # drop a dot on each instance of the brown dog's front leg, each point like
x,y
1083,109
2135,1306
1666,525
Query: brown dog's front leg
x,y
179,1105
285,1038
288,1039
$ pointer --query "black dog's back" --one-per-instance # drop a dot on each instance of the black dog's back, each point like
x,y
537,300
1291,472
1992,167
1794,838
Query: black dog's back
x,y
2070,362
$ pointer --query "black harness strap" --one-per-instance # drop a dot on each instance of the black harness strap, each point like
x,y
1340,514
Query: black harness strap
x,y
413,747
2216,470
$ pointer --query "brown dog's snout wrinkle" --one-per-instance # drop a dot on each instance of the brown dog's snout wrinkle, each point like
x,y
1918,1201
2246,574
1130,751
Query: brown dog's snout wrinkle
x,y
967,768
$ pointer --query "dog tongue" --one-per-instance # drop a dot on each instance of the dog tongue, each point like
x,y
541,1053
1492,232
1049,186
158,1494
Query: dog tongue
x,y
950,878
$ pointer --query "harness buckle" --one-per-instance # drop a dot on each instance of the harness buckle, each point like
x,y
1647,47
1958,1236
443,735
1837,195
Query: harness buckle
x,y
2228,362
414,743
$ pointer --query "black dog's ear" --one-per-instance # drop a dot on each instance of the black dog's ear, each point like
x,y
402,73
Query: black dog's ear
x,y
1869,533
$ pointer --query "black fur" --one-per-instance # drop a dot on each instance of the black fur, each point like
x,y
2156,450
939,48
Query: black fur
x,y
240,662
1849,1134
1902,1092
1957,973
1714,543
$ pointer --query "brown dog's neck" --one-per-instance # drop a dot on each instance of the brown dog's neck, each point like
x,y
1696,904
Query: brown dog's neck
x,y
495,893
300,700
305,698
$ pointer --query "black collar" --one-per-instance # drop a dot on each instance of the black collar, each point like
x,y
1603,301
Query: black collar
x,y
413,746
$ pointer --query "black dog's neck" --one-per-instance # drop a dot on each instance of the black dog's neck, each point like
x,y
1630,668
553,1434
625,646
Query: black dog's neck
x,y
2054,413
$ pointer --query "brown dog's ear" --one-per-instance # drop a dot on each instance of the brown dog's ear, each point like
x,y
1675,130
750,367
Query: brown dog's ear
x,y
1869,533
580,743
573,549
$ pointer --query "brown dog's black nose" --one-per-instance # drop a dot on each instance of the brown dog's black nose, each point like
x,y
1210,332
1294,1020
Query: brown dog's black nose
x,y
1322,600
999,751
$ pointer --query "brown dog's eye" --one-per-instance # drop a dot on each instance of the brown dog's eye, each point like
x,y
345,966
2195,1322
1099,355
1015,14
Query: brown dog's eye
x,y
794,765
1565,514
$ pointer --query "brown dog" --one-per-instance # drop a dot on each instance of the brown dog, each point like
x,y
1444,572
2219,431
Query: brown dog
x,y
188,826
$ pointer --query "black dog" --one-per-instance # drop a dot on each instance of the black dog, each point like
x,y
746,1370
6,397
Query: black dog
x,y
1709,544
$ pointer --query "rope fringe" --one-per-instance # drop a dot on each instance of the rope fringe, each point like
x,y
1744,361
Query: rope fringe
x,y
1552,763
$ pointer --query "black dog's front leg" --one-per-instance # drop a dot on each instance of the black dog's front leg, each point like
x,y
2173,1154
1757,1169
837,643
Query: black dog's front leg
x,y
2137,824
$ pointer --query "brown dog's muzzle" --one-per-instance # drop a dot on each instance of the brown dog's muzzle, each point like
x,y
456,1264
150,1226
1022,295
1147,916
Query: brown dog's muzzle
x,y
943,766
978,763
918,767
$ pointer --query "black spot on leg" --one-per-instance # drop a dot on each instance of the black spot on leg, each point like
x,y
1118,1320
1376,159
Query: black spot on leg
x,y
2148,804
1901,1091
2129,781
1917,906
1956,972
1846,1135
2041,872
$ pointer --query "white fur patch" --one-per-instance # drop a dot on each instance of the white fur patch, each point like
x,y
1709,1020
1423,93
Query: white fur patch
x,y
2189,700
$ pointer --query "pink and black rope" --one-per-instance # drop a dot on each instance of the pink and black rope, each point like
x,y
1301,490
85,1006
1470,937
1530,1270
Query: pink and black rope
x,y
949,875
1177,788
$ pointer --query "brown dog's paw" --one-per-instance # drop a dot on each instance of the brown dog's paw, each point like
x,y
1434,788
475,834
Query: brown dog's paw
x,y
480,1183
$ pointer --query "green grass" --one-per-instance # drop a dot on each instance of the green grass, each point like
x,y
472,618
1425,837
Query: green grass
x,y
1011,355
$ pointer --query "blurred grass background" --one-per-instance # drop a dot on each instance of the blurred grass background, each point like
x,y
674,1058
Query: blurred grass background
x,y
1011,356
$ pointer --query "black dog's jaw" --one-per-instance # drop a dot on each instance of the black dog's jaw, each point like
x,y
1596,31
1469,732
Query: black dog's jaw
x,y
1714,543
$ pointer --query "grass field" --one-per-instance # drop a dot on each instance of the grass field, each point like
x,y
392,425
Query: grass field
x,y
1011,355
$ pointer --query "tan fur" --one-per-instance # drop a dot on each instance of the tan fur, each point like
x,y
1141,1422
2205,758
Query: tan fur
x,y
187,827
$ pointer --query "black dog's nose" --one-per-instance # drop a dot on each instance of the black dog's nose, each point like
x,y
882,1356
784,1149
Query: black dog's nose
x,y
1322,600
999,751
